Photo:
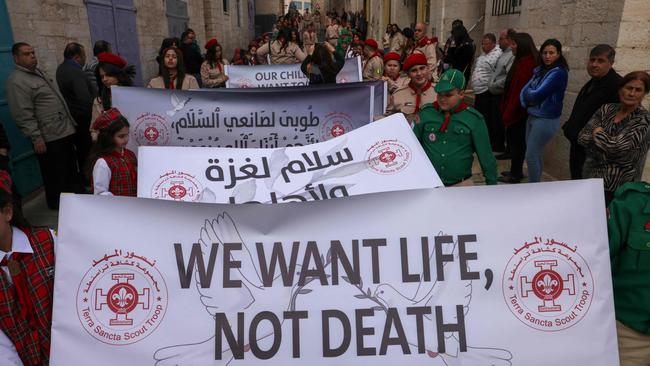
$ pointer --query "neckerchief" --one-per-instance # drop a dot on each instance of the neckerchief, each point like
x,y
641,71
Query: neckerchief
x,y
418,94
172,79
459,108
423,42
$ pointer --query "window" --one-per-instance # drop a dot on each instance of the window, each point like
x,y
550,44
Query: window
x,y
504,7
226,6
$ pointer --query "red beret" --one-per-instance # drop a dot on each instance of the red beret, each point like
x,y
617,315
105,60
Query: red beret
x,y
112,59
392,56
106,118
211,43
5,181
371,43
414,60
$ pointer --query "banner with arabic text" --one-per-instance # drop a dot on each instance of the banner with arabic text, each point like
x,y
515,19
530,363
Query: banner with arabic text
x,y
419,277
381,156
244,118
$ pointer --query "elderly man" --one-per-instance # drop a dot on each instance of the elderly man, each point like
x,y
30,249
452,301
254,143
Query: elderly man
x,y
39,110
425,45
601,89
486,102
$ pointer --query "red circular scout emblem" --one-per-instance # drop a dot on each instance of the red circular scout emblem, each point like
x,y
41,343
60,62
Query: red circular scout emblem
x,y
337,130
122,298
151,130
334,125
177,186
548,285
432,137
151,133
388,157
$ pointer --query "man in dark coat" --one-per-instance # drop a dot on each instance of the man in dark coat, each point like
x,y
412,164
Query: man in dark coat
x,y
601,89
191,54
78,94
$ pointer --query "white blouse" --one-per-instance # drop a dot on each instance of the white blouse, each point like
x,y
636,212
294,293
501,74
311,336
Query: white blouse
x,y
101,178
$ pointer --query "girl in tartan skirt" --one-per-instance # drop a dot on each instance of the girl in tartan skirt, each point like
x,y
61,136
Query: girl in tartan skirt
x,y
113,165
26,286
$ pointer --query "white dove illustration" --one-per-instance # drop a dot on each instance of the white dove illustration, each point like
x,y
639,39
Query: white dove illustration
x,y
251,297
452,290
177,105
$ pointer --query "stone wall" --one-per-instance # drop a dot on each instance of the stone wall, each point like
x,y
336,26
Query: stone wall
x,y
444,12
230,26
403,13
48,25
151,22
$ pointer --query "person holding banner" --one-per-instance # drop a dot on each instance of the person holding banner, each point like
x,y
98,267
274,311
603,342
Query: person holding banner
x,y
418,92
373,64
629,234
392,75
323,65
451,132
173,74
281,50
26,285
212,69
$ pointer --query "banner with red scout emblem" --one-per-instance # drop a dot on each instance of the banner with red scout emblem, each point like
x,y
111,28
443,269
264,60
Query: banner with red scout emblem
x,y
269,76
246,118
381,156
419,277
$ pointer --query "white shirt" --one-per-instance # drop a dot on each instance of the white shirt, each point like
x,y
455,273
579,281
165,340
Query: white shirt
x,y
20,244
483,69
101,178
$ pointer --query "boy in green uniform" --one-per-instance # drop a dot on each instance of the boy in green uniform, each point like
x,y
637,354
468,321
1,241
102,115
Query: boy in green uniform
x,y
451,132
629,251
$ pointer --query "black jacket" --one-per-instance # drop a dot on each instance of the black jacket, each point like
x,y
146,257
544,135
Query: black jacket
x,y
76,90
318,76
191,58
592,96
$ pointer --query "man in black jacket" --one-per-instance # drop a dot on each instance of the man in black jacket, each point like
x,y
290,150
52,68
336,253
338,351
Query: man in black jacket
x,y
192,57
601,89
78,94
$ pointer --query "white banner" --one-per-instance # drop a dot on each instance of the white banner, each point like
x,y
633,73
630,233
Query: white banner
x,y
266,76
381,156
246,118
491,275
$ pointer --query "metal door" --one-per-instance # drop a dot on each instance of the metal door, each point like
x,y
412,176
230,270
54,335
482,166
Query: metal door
x,y
177,18
23,163
115,21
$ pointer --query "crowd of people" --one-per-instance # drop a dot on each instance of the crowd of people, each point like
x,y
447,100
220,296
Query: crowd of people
x,y
518,95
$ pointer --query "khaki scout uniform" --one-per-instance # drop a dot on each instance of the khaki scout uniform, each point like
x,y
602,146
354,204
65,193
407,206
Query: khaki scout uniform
x,y
629,251
309,40
399,83
428,49
332,34
405,99
373,68
291,54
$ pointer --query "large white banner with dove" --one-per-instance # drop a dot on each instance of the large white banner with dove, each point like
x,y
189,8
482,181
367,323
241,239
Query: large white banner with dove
x,y
381,156
269,76
419,277
245,118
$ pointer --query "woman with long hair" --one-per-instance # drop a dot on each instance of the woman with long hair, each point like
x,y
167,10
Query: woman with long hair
x,y
213,73
281,50
322,66
617,137
514,116
543,97
173,75
111,70
166,43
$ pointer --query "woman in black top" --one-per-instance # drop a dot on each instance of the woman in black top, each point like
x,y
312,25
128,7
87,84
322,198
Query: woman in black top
x,y
322,66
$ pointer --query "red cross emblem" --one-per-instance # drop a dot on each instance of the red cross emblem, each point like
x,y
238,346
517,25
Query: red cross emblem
x,y
122,298
337,130
151,133
547,285
387,157
177,192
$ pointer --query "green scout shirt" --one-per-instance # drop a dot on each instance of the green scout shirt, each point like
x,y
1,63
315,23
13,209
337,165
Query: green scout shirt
x,y
452,152
629,250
